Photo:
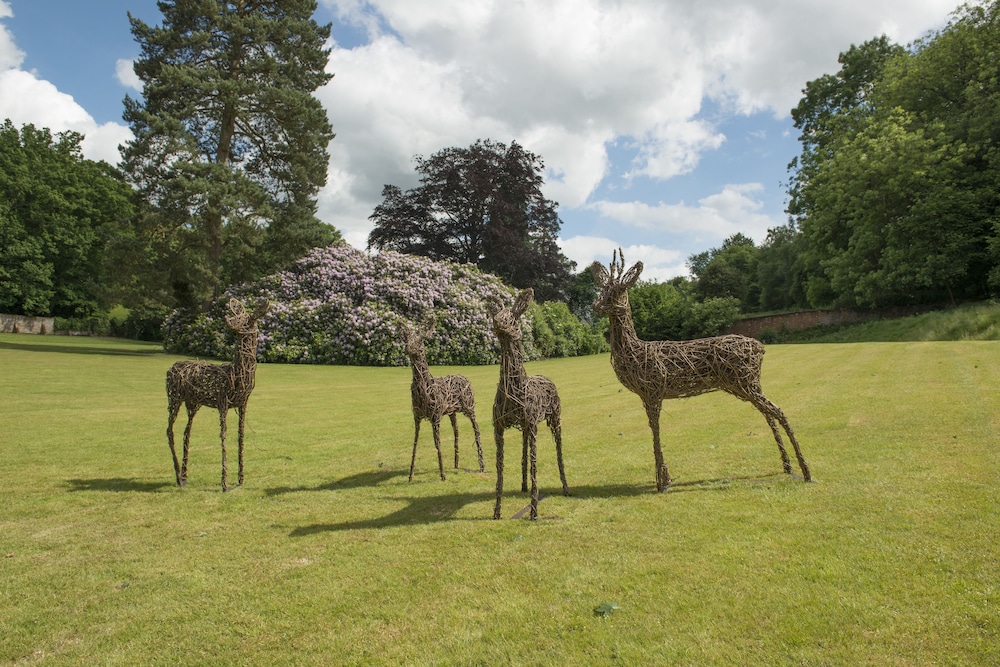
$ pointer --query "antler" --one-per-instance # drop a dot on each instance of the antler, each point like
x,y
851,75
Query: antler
x,y
617,267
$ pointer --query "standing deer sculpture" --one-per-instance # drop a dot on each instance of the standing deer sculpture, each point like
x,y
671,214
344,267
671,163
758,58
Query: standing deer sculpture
x,y
434,397
219,386
522,401
658,370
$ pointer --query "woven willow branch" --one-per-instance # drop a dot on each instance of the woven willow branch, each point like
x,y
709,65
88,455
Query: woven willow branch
x,y
521,401
219,386
434,397
658,370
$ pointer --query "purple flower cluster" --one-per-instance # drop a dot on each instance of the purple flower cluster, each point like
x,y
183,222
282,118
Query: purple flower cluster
x,y
339,305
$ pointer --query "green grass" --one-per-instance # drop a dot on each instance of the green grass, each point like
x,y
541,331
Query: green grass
x,y
327,555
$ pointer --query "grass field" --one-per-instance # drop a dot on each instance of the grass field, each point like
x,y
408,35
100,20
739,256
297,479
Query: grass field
x,y
328,556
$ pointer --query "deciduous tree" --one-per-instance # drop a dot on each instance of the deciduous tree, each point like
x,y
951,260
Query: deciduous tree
x,y
59,215
482,205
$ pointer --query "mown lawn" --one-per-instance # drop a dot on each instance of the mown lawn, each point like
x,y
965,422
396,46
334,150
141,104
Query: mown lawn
x,y
327,555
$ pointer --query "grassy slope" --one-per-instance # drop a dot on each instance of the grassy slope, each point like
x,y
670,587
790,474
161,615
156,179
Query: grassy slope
x,y
328,556
978,321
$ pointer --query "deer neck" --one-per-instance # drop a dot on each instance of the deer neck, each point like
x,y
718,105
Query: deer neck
x,y
245,361
622,328
421,373
513,377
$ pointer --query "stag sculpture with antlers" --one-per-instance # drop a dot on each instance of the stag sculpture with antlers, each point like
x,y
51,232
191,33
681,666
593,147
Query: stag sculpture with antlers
x,y
658,370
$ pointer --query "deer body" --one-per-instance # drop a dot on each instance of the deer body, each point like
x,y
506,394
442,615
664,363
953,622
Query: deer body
x,y
433,398
658,370
221,386
522,402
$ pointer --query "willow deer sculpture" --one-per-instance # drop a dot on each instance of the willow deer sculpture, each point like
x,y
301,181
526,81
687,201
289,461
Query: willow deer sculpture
x,y
522,401
433,398
658,370
220,386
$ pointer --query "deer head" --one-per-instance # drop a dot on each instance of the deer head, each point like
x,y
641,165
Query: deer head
x,y
614,282
413,337
507,321
242,322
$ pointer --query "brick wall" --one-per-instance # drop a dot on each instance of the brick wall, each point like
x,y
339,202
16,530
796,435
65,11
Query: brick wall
x,y
21,324
806,319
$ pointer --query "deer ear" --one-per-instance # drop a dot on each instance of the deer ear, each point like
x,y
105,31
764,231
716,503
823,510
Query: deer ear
x,y
493,305
427,326
403,328
522,301
600,274
263,305
631,276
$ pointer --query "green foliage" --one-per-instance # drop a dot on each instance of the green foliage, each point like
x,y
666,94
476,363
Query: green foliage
x,y
557,332
480,205
59,216
660,311
729,271
327,555
230,146
895,191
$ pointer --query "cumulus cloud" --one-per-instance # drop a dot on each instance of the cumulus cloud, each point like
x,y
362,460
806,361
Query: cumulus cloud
x,y
24,99
569,78
659,264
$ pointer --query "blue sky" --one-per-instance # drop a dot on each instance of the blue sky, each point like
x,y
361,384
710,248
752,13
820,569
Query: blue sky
x,y
664,124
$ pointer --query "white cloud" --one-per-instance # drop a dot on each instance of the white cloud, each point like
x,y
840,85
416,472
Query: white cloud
x,y
567,78
10,55
27,99
126,76
715,218
659,264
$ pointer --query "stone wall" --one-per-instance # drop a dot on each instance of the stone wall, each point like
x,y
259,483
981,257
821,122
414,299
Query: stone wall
x,y
30,325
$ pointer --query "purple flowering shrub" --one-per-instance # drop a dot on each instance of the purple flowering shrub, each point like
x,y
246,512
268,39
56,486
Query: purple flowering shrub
x,y
338,305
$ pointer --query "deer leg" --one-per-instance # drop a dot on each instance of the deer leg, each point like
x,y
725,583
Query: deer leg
x,y
222,437
192,410
786,464
525,434
454,427
172,411
436,427
479,445
653,413
242,412
555,425
772,412
530,440
416,436
498,437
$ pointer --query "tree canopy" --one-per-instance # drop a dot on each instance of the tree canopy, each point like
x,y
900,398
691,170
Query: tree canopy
x,y
481,205
59,215
895,191
230,145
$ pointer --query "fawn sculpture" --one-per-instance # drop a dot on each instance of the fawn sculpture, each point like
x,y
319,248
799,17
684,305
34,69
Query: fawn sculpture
x,y
219,386
658,370
434,397
522,401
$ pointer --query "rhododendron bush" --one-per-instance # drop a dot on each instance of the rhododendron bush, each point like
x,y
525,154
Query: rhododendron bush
x,y
339,305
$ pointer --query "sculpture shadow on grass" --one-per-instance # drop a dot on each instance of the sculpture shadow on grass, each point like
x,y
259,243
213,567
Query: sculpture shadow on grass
x,y
362,479
417,511
116,485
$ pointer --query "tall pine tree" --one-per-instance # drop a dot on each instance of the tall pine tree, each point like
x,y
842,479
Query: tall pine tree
x,y
230,145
